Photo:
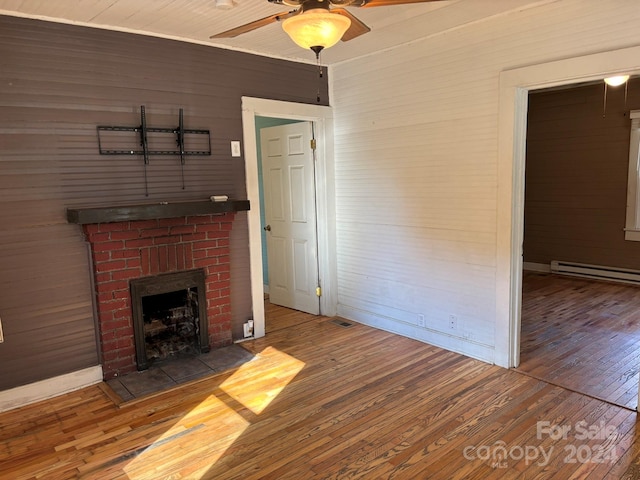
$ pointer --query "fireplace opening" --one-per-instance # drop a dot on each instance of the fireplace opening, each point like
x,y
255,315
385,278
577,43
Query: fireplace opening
x,y
171,324
169,317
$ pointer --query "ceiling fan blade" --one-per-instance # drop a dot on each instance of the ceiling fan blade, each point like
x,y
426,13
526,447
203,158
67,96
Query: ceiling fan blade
x,y
356,29
387,3
248,27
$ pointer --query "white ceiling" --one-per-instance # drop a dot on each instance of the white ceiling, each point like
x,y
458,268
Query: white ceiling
x,y
196,20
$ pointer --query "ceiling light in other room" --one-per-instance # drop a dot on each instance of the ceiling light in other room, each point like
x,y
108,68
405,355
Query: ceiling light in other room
x,y
617,80
316,28
614,81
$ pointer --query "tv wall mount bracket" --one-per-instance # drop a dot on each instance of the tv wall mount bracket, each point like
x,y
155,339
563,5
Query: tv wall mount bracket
x,y
180,132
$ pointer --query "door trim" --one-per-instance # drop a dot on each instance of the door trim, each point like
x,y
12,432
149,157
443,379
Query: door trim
x,y
515,86
322,116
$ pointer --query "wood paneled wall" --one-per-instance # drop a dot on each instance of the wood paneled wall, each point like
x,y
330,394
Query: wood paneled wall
x,y
57,83
417,173
576,176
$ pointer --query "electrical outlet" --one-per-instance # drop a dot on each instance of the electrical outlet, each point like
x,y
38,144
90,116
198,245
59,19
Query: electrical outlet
x,y
421,320
248,328
453,322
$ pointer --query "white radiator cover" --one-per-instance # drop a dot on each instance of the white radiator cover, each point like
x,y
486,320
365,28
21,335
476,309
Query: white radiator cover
x,y
596,271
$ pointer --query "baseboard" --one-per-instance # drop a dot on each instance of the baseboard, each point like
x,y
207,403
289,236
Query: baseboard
x,y
51,387
536,267
486,353
265,289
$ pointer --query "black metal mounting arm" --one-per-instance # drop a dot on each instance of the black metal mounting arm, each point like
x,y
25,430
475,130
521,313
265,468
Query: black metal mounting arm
x,y
180,142
180,132
145,149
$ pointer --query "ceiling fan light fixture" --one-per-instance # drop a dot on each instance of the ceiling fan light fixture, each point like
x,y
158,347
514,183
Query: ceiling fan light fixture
x,y
617,80
316,27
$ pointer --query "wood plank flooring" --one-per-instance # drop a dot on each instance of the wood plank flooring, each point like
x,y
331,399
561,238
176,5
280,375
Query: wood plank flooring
x,y
583,335
319,401
277,318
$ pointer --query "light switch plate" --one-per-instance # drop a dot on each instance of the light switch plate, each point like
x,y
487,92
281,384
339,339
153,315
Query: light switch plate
x,y
235,148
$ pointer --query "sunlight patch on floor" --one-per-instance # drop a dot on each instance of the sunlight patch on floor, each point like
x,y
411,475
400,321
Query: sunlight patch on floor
x,y
255,384
199,439
170,452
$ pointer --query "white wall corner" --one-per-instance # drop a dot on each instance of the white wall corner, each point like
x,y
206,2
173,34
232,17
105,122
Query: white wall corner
x,y
49,388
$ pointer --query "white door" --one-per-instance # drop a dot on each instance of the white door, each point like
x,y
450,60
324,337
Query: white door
x,y
290,212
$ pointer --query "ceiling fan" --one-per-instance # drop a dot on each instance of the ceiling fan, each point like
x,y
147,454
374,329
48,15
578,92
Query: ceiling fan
x,y
317,24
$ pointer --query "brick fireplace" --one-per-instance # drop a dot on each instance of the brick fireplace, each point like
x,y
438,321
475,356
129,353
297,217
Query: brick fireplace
x,y
123,251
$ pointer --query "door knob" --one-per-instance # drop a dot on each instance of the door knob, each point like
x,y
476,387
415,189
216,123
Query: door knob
x,y
267,228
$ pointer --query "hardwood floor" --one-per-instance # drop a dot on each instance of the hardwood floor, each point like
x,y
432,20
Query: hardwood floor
x,y
322,401
277,318
583,335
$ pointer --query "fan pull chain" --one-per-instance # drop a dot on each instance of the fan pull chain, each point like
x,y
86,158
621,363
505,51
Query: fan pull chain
x,y
317,51
319,81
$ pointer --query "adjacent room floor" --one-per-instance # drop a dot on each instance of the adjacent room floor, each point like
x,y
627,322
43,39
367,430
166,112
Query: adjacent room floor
x,y
583,335
277,318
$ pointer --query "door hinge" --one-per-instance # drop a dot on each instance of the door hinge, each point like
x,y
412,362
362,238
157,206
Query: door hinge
x,y
313,144
318,291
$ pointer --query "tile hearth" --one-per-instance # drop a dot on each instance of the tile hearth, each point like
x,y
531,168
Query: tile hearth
x,y
167,374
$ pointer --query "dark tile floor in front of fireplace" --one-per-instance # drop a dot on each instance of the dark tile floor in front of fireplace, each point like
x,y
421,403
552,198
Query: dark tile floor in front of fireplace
x,y
169,373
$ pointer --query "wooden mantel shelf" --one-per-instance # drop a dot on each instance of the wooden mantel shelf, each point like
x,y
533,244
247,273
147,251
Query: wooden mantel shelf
x,y
148,211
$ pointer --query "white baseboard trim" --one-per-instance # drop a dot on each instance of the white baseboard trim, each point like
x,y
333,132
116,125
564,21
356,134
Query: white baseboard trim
x,y
51,387
537,267
265,289
486,353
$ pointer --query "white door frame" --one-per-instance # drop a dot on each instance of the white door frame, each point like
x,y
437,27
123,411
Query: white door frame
x,y
512,130
322,117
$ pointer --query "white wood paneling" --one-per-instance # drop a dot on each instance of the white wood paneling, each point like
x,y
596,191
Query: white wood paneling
x,y
417,184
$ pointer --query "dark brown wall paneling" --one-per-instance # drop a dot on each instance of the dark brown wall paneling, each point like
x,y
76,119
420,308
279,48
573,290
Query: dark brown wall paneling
x,y
576,176
57,83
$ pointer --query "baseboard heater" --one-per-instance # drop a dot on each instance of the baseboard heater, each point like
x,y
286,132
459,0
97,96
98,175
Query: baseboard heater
x,y
596,271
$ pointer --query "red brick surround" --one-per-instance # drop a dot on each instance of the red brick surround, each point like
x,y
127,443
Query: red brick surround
x,y
122,251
